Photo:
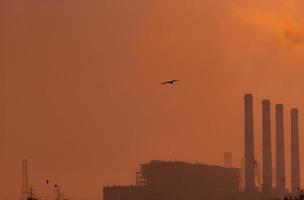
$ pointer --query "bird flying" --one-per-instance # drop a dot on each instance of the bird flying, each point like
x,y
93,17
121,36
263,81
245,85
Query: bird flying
x,y
169,82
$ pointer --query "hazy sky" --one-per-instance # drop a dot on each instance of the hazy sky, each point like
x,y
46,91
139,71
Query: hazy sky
x,y
81,95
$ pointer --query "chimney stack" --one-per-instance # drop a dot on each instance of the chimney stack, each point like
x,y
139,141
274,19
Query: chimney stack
x,y
295,159
249,145
267,161
280,150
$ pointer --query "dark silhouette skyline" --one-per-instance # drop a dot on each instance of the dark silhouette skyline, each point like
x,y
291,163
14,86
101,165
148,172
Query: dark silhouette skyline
x,y
102,63
170,180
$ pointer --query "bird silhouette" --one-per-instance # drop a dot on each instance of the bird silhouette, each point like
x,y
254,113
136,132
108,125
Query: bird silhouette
x,y
169,82
47,181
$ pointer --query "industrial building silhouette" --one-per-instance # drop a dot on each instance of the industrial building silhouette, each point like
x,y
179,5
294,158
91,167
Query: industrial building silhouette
x,y
175,180
268,189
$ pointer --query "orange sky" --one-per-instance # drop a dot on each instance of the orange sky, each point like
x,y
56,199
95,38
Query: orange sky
x,y
81,95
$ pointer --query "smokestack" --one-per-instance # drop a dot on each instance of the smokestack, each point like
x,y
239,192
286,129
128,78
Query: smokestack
x,y
249,145
295,158
227,159
267,168
280,151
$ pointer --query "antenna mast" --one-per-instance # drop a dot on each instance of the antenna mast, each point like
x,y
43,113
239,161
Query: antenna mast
x,y
25,187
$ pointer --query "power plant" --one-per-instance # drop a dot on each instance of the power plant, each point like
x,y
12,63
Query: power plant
x,y
168,180
268,190
178,180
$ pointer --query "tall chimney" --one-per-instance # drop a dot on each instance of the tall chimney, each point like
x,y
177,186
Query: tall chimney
x,y
280,151
267,168
249,145
295,158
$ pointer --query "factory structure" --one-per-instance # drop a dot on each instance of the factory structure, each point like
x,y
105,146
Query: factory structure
x,y
269,189
176,180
